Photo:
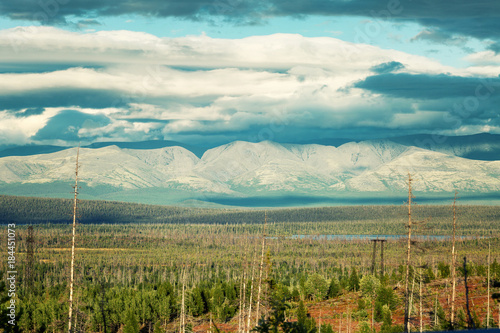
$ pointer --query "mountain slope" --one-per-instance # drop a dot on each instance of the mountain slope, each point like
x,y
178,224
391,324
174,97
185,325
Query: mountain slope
x,y
243,169
433,172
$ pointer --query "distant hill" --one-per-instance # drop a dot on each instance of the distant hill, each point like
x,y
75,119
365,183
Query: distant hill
x,y
29,210
28,150
245,171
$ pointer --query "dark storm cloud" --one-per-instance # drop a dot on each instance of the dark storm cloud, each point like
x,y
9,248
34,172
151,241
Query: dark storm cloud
x,y
440,37
30,112
84,98
65,125
387,67
480,19
495,47
25,67
423,86
56,11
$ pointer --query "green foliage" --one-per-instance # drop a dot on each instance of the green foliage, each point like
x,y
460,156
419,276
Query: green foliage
x,y
276,321
157,327
387,296
481,270
295,294
353,280
386,315
461,320
428,275
334,288
316,286
327,328
364,327
282,292
304,323
369,285
439,317
469,267
301,313
495,269
443,270
141,263
131,322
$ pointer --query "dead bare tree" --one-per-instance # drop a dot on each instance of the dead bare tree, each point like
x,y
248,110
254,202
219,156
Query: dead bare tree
x,y
182,324
453,263
408,256
247,330
71,283
411,226
30,259
488,309
470,322
261,268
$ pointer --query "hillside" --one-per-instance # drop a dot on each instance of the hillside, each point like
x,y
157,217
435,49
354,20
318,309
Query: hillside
x,y
243,173
25,210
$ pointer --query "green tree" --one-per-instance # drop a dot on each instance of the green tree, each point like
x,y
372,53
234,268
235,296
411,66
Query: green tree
x,y
444,270
369,285
157,327
316,286
334,288
364,327
327,328
353,280
305,324
301,313
131,322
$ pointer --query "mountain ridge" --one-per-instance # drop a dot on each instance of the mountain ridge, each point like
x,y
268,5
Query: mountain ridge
x,y
245,169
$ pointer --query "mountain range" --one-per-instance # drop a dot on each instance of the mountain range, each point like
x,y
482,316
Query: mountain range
x,y
239,172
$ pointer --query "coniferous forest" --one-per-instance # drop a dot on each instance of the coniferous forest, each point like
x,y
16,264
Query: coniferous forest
x,y
141,268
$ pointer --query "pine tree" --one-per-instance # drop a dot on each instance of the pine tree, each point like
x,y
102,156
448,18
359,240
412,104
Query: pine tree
x,y
131,322
353,280
334,289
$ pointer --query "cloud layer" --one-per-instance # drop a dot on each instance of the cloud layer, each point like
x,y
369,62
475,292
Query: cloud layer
x,y
123,85
479,18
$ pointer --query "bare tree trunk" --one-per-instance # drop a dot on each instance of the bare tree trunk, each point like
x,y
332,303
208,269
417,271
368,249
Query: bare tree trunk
x,y
420,296
71,281
244,299
488,310
407,298
411,306
373,255
470,322
241,306
382,259
435,312
183,304
260,269
453,258
251,291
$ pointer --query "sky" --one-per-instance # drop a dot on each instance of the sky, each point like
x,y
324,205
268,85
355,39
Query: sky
x,y
208,72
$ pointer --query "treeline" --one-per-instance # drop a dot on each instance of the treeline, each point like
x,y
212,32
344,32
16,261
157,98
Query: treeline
x,y
28,210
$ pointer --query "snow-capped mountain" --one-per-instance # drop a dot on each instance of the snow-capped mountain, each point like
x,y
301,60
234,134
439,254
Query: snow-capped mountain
x,y
248,169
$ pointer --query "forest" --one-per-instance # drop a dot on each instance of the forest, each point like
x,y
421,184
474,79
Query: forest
x,y
141,268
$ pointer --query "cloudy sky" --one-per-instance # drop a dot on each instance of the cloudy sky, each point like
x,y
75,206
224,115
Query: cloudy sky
x,y
208,72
